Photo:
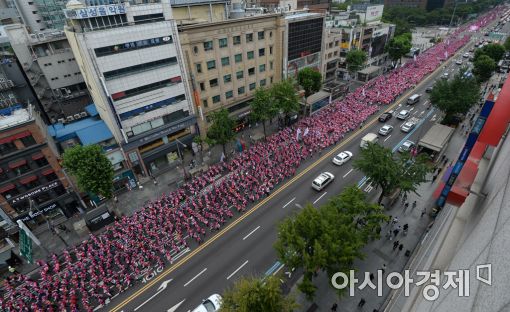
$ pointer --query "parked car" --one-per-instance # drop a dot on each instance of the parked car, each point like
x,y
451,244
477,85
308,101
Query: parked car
x,y
408,126
406,146
429,89
465,55
211,304
385,117
386,129
323,180
403,114
342,158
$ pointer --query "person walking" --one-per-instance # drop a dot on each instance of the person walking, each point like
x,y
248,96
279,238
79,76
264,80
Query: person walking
x,y
400,247
361,303
395,245
396,231
334,307
423,211
383,268
414,205
372,276
405,228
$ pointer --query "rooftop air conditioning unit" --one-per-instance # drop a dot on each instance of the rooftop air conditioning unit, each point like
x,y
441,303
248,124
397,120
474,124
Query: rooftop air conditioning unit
x,y
83,114
61,120
77,116
69,118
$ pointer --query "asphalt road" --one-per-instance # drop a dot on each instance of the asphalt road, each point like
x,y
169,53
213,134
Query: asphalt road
x,y
244,246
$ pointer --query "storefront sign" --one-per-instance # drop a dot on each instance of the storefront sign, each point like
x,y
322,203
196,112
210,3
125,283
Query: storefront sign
x,y
96,11
33,214
39,190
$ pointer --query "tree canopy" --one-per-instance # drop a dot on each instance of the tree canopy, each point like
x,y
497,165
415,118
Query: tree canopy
x,y
329,238
285,97
493,50
389,172
483,67
310,80
455,96
92,170
398,47
263,107
221,131
355,60
254,295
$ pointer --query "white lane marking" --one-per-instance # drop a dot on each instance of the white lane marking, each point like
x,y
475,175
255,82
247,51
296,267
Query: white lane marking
x,y
289,202
174,308
160,289
319,197
299,206
278,270
369,188
180,254
237,270
387,138
191,280
348,173
258,227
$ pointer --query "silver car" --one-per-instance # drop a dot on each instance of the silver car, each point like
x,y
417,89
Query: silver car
x,y
406,146
403,114
385,130
408,126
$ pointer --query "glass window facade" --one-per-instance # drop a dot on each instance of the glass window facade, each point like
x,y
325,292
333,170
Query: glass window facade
x,y
304,38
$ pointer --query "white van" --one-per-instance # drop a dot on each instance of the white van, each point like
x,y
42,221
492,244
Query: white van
x,y
368,138
415,98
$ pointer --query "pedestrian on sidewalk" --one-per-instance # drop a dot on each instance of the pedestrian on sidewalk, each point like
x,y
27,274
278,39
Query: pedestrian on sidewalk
x,y
383,268
423,211
395,245
434,177
406,205
400,247
334,307
396,231
372,276
361,303
414,205
395,221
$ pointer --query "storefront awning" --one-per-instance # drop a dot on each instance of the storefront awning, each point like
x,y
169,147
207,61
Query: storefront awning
x,y
18,163
37,156
15,137
499,118
7,188
47,171
28,179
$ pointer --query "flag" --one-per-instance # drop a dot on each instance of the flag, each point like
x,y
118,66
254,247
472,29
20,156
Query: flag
x,y
445,54
298,132
363,91
306,132
222,158
414,56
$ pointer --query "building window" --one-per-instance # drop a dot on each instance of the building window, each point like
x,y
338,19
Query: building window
x,y
9,191
262,68
260,35
271,65
138,68
223,42
229,94
238,58
227,78
50,176
31,182
271,50
251,71
199,68
249,37
208,46
41,162
28,141
262,52
130,46
263,82
250,55
146,88
7,148
270,34
271,79
204,103
211,65
216,99
253,86
240,90
202,86
225,61
237,40
240,74
213,83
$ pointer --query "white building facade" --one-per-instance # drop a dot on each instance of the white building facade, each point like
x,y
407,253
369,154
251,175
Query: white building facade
x,y
130,58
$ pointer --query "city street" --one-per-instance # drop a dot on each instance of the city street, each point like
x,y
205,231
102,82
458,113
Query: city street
x,y
244,246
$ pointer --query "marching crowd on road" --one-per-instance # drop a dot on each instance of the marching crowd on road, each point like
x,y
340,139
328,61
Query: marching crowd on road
x,y
88,274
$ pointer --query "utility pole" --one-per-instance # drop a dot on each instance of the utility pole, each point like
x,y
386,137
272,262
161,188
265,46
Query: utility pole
x,y
453,14
48,222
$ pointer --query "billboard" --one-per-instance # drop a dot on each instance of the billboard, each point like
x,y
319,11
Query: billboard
x,y
374,13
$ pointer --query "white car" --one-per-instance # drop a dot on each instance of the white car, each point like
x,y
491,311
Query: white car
x,y
406,146
465,55
408,126
322,181
445,76
342,158
403,114
458,62
385,130
211,304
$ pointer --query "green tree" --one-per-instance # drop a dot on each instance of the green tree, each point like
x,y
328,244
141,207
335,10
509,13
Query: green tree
x,y
263,107
387,172
285,97
254,295
456,96
507,44
310,80
355,60
330,238
493,50
221,130
92,170
398,47
483,67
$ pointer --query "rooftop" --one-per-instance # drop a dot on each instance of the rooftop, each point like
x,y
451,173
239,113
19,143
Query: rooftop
x,y
10,118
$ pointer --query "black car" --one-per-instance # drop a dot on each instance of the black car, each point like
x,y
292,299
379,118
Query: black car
x,y
384,117
429,89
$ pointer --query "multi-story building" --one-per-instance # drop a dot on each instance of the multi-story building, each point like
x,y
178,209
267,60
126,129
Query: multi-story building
x,y
302,41
331,55
8,12
130,58
228,60
40,15
199,11
291,4
51,69
32,181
